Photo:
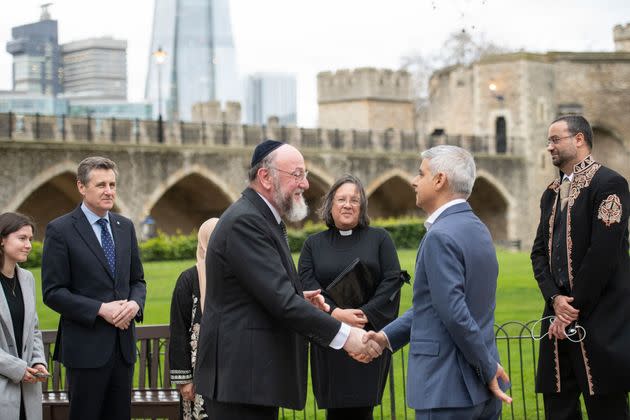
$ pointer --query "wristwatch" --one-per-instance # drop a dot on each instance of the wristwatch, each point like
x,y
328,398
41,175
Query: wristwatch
x,y
552,298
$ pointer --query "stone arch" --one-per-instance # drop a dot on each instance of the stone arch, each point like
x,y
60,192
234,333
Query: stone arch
x,y
492,203
391,195
609,149
187,198
50,194
319,183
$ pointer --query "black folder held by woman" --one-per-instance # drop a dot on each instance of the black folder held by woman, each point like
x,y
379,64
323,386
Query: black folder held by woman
x,y
352,287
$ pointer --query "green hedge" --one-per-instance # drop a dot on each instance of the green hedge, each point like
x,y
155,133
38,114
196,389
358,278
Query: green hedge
x,y
164,247
406,233
35,257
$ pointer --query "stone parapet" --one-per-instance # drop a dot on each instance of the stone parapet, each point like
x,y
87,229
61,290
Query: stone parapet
x,y
621,35
364,83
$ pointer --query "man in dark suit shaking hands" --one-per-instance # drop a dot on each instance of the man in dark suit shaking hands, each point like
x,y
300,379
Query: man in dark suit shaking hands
x,y
252,355
92,276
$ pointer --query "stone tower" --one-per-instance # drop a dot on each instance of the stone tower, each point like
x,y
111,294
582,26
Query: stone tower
x,y
365,99
621,34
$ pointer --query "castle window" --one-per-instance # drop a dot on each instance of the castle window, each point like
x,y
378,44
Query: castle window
x,y
500,131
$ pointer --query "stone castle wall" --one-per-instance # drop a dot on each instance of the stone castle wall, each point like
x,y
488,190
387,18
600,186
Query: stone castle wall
x,y
365,99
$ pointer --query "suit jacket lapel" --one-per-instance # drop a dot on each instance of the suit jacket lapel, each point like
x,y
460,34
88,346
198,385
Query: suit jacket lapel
x,y
86,232
117,232
457,208
285,253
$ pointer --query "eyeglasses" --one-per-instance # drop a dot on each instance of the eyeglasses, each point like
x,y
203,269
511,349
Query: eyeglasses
x,y
298,175
354,202
556,140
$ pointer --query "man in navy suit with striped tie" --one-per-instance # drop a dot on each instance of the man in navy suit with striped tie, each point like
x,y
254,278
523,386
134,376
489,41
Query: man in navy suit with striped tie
x,y
92,276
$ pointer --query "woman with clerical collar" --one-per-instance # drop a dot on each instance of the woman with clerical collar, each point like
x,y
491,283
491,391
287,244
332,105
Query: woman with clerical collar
x,y
346,388
22,362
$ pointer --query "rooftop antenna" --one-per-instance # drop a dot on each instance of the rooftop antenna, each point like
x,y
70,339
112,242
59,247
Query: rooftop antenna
x,y
45,13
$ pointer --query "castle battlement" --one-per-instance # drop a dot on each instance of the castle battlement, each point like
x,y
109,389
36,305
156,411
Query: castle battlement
x,y
621,35
364,83
212,112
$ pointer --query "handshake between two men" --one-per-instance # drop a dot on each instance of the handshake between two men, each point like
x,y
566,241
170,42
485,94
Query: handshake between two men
x,y
365,346
357,345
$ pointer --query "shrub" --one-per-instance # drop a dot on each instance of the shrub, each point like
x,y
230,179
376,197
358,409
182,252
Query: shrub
x,y
164,247
406,233
35,257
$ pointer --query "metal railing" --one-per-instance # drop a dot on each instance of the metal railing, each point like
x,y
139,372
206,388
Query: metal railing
x,y
518,352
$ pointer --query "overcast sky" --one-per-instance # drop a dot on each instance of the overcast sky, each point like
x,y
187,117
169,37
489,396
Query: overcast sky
x,y
308,36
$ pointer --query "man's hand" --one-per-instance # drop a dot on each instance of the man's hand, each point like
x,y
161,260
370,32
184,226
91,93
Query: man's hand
x,y
493,385
108,310
359,350
352,317
557,329
187,391
316,299
563,309
378,337
126,313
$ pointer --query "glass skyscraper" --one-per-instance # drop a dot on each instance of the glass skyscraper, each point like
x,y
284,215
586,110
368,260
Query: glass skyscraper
x,y
270,94
36,58
200,62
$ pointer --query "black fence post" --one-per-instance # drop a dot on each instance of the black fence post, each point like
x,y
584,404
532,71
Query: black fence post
x,y
137,130
392,390
37,126
89,128
113,130
10,125
160,129
63,127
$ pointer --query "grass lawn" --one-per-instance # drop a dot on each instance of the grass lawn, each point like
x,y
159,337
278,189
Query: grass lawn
x,y
518,299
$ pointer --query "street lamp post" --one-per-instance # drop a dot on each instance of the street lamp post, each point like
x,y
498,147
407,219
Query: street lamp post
x,y
160,56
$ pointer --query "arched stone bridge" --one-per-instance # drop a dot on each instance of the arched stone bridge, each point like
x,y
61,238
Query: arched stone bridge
x,y
182,182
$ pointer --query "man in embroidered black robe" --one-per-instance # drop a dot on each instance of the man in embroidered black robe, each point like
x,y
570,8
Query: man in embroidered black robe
x,y
580,260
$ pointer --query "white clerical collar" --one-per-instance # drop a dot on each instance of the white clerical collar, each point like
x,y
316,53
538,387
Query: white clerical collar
x,y
433,216
272,208
345,232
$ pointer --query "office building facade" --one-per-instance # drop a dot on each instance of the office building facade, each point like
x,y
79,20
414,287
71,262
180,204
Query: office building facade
x,y
36,58
271,94
95,67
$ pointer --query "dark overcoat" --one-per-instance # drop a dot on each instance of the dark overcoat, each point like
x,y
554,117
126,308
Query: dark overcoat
x,y
599,279
256,324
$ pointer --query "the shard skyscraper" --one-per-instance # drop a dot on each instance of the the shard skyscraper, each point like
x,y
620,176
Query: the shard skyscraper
x,y
199,63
